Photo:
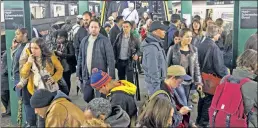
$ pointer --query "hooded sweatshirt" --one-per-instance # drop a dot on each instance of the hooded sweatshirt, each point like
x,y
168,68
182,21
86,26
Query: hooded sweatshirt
x,y
118,117
123,95
154,62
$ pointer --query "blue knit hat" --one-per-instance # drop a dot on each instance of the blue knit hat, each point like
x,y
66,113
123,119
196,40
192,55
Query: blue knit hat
x,y
99,78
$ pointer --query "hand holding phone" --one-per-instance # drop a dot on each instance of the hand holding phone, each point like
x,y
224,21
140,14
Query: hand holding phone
x,y
14,43
31,58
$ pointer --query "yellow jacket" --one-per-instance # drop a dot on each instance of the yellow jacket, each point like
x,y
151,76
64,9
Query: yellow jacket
x,y
56,71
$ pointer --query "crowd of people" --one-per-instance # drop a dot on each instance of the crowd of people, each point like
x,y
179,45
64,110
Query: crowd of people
x,y
176,60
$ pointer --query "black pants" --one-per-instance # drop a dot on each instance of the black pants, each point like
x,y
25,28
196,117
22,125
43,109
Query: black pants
x,y
139,65
5,98
125,69
67,78
203,110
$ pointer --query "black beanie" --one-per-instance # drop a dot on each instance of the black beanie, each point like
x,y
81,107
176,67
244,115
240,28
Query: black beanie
x,y
41,98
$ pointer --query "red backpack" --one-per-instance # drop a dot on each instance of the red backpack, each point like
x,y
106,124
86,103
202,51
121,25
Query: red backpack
x,y
227,107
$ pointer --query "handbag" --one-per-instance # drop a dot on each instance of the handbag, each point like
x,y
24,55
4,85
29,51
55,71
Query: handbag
x,y
210,81
63,86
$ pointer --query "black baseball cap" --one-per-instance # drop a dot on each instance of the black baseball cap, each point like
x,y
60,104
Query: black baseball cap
x,y
158,25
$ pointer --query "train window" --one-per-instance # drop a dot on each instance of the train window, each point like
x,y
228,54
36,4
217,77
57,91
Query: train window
x,y
73,10
59,10
37,11
2,12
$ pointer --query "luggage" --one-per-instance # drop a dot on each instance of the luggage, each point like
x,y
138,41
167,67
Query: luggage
x,y
227,107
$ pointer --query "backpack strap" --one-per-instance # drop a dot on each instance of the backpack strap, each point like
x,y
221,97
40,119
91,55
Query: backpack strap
x,y
157,93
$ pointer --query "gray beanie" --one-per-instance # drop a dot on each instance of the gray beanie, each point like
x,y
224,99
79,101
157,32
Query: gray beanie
x,y
41,98
99,106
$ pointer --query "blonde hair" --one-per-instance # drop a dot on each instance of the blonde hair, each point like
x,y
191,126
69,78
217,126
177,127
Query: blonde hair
x,y
248,60
95,123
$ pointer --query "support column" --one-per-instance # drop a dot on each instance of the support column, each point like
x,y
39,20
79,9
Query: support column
x,y
83,6
17,15
244,25
186,11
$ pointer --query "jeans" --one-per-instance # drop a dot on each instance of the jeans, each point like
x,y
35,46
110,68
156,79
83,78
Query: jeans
x,y
31,117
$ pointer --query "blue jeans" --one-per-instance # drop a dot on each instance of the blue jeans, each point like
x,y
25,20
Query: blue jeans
x,y
31,117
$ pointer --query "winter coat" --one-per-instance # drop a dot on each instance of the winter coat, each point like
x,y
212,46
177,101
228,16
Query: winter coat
x,y
123,95
154,62
63,113
102,57
81,33
118,117
249,93
215,62
174,58
113,34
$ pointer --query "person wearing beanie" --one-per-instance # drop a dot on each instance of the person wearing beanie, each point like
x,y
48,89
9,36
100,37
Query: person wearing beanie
x,y
57,109
101,108
119,92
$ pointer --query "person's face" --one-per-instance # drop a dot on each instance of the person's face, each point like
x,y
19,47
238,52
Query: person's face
x,y
107,29
209,22
35,49
174,83
94,28
111,21
187,38
126,28
196,26
103,90
145,15
86,20
88,114
160,33
170,119
19,36
60,39
41,111
216,37
131,8
177,40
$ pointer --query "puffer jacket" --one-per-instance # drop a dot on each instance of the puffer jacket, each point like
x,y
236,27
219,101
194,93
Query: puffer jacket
x,y
63,113
174,58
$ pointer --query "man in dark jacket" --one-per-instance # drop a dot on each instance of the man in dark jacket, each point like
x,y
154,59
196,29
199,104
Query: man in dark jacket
x,y
101,108
119,92
83,31
126,51
5,93
154,58
175,20
95,51
116,29
214,64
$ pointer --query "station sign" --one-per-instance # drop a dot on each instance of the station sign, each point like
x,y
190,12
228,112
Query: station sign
x,y
248,18
14,18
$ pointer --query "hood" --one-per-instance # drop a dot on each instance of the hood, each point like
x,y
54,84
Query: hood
x,y
152,40
118,117
240,72
60,94
126,87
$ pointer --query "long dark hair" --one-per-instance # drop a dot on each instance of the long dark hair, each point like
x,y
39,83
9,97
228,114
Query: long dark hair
x,y
156,113
200,29
45,52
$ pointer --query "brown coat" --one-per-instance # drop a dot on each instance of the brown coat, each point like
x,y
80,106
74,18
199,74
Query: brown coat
x,y
63,113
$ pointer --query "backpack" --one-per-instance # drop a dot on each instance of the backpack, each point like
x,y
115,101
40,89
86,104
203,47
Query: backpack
x,y
143,108
227,107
